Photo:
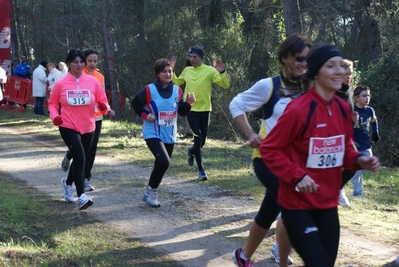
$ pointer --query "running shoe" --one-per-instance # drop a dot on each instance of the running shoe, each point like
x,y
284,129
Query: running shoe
x,y
190,157
275,255
343,200
202,176
151,197
240,262
68,190
65,162
88,186
84,202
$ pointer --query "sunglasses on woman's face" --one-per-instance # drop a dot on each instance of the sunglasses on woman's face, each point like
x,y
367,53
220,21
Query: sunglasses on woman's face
x,y
300,59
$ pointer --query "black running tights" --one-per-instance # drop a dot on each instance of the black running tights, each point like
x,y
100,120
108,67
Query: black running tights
x,y
314,234
199,122
79,145
162,153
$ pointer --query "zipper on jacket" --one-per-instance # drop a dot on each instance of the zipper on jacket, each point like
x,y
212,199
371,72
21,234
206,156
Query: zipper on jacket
x,y
329,110
77,82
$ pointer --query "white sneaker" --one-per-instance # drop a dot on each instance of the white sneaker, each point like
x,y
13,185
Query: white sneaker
x,y
68,190
275,255
88,186
84,202
343,200
65,162
151,196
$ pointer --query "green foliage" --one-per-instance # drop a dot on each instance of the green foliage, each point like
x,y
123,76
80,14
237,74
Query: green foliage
x,y
244,34
382,79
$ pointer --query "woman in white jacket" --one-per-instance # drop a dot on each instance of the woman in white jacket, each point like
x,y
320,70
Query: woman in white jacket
x,y
39,83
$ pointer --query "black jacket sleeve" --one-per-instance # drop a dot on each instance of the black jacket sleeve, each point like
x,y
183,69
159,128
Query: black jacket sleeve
x,y
184,108
138,102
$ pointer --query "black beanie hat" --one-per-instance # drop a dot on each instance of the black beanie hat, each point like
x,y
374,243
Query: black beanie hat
x,y
197,51
318,55
44,64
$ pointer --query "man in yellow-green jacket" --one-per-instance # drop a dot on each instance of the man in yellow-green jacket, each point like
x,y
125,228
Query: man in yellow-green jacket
x,y
199,78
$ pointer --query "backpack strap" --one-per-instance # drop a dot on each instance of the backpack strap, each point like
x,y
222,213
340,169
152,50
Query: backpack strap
x,y
148,98
267,108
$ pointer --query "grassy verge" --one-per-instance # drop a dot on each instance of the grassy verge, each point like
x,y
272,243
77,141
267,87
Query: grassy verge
x,y
38,231
228,165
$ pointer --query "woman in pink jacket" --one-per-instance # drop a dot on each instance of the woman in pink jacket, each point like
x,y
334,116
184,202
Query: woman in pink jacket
x,y
71,107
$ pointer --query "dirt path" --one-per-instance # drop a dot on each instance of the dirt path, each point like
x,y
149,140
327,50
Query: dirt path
x,y
191,224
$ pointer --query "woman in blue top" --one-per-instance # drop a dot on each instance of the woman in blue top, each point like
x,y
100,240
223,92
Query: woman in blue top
x,y
158,104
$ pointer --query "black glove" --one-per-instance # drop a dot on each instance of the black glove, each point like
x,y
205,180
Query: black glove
x,y
375,137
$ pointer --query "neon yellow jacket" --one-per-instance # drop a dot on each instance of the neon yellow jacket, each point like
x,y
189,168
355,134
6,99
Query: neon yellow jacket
x,y
199,81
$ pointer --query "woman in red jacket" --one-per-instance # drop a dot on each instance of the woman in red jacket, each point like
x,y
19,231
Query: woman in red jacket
x,y
306,150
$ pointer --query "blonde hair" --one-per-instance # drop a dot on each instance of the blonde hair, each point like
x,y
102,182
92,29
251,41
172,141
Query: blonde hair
x,y
348,64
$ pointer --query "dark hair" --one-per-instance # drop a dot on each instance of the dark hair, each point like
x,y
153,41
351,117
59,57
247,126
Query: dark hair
x,y
289,48
161,64
72,55
89,52
292,45
359,89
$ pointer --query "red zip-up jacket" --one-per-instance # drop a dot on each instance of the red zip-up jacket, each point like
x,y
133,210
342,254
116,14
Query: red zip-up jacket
x,y
313,137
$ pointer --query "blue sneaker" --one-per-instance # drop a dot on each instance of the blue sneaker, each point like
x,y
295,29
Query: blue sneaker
x,y
190,157
202,176
151,197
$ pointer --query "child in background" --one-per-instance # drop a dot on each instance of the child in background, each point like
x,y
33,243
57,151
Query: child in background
x,y
361,132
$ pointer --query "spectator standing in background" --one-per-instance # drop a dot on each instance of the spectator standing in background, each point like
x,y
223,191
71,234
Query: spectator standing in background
x,y
3,80
361,132
53,76
22,70
63,69
39,83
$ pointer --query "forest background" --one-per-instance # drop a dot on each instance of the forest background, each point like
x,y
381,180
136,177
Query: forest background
x,y
132,34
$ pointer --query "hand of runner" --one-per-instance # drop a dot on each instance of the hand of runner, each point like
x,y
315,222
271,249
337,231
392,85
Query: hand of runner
x,y
254,140
150,117
190,98
306,185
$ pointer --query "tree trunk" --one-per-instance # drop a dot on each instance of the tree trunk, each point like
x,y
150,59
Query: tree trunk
x,y
110,60
373,33
292,18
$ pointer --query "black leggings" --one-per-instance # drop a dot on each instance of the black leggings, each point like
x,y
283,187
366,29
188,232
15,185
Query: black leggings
x,y
346,176
199,122
269,208
79,145
162,153
91,155
314,234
